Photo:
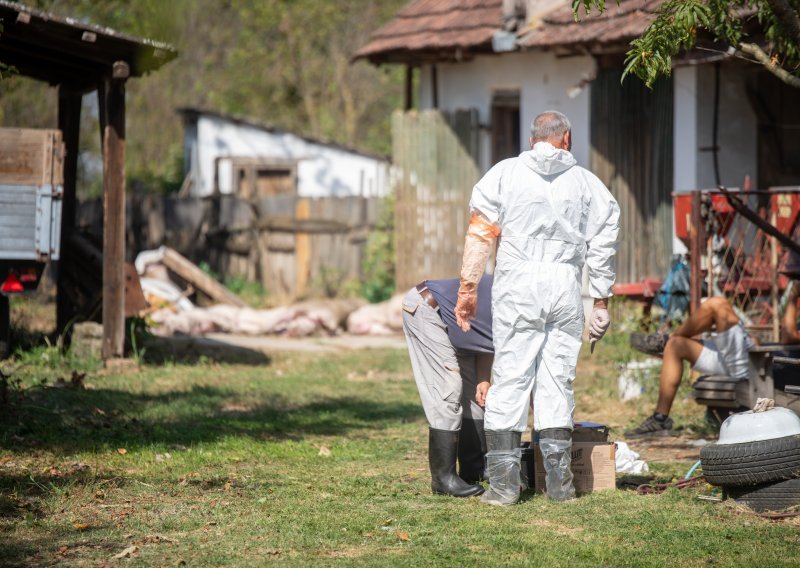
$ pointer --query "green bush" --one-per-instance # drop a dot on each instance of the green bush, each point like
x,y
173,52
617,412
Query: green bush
x,y
379,257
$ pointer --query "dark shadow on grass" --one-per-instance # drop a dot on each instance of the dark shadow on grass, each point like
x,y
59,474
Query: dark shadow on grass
x,y
191,349
70,420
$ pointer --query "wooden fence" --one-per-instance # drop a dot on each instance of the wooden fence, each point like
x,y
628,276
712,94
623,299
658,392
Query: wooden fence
x,y
293,246
435,159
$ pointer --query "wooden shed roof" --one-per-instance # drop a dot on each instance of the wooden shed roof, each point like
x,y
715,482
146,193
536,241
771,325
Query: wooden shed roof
x,y
64,50
435,29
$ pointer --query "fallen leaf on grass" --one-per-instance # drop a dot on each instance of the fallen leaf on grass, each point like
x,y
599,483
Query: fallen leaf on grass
x,y
157,539
126,553
122,451
324,451
81,526
402,535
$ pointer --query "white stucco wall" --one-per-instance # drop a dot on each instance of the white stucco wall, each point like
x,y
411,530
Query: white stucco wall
x,y
737,133
542,80
737,137
694,128
322,170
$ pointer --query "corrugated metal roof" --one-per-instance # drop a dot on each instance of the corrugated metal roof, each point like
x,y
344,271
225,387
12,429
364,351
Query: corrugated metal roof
x,y
192,115
435,28
427,26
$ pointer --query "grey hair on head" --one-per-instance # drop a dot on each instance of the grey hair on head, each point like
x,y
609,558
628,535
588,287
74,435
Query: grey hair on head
x,y
548,125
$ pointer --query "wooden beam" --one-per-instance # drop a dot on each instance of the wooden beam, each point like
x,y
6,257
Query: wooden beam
x,y
187,270
69,122
113,93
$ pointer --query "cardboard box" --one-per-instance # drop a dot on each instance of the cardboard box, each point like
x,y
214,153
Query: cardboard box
x,y
593,466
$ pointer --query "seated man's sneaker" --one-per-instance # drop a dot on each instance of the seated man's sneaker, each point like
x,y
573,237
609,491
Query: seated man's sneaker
x,y
651,427
649,343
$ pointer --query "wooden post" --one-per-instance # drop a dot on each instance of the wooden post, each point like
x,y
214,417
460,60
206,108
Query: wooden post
x,y
302,247
114,211
69,122
409,91
776,313
695,253
435,86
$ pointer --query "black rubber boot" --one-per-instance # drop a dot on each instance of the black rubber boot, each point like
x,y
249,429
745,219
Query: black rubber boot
x,y
503,463
442,449
556,447
472,451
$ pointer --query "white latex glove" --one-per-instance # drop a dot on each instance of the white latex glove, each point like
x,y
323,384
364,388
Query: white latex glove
x,y
599,323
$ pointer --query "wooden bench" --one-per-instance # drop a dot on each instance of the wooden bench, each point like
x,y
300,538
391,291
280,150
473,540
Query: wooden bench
x,y
723,392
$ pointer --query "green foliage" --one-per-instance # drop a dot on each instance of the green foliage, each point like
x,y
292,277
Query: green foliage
x,y
680,23
253,293
379,257
280,62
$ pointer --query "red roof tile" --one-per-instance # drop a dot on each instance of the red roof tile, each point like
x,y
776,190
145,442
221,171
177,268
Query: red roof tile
x,y
437,27
618,24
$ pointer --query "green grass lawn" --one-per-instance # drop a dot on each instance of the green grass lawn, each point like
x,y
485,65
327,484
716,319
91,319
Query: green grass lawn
x,y
315,460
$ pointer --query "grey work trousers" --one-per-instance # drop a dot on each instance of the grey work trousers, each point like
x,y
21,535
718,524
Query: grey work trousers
x,y
446,379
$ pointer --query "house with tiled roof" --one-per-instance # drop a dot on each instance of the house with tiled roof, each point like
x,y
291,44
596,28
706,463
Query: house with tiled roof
x,y
717,119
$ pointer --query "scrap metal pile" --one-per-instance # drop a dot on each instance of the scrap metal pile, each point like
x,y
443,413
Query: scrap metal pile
x,y
735,256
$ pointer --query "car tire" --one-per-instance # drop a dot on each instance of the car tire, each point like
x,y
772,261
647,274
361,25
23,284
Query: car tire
x,y
751,463
771,497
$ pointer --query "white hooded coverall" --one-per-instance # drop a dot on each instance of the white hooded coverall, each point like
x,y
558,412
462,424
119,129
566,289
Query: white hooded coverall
x,y
553,216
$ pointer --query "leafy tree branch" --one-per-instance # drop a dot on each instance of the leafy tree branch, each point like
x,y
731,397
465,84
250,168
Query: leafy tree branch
x,y
766,31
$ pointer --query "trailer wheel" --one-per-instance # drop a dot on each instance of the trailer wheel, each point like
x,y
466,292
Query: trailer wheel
x,y
773,497
751,463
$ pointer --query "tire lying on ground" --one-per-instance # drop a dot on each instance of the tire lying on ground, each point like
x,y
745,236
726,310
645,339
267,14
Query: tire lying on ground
x,y
751,463
771,497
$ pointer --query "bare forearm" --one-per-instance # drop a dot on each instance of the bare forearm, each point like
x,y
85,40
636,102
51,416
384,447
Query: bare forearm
x,y
789,324
483,364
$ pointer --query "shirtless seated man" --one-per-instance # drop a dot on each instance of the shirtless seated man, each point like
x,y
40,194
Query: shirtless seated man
x,y
725,353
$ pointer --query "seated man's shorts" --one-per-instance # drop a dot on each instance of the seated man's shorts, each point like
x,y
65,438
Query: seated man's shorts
x,y
726,353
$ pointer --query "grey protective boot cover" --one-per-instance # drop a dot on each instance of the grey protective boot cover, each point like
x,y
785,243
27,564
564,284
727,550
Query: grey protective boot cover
x,y
472,451
503,462
442,450
556,447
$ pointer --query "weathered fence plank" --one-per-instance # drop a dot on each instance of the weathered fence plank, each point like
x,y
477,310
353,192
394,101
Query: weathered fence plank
x,y
435,156
292,246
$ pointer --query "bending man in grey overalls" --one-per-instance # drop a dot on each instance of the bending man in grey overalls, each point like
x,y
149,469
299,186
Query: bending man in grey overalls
x,y
450,367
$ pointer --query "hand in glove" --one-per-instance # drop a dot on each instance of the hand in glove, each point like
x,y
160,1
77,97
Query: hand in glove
x,y
599,323
481,235
466,305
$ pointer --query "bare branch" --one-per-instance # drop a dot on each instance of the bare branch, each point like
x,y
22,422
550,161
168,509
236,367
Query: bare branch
x,y
788,17
761,56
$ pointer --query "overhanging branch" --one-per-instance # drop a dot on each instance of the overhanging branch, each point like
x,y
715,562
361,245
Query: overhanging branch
x,y
761,56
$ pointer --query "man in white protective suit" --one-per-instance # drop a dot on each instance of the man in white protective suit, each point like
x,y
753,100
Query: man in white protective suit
x,y
552,217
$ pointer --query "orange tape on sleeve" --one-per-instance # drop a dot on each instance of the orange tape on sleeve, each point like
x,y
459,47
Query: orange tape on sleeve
x,y
480,226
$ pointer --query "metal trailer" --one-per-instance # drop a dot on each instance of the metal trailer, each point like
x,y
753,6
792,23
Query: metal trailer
x,y
31,192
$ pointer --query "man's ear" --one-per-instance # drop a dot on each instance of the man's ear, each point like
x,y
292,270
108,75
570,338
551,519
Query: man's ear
x,y
530,141
568,140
